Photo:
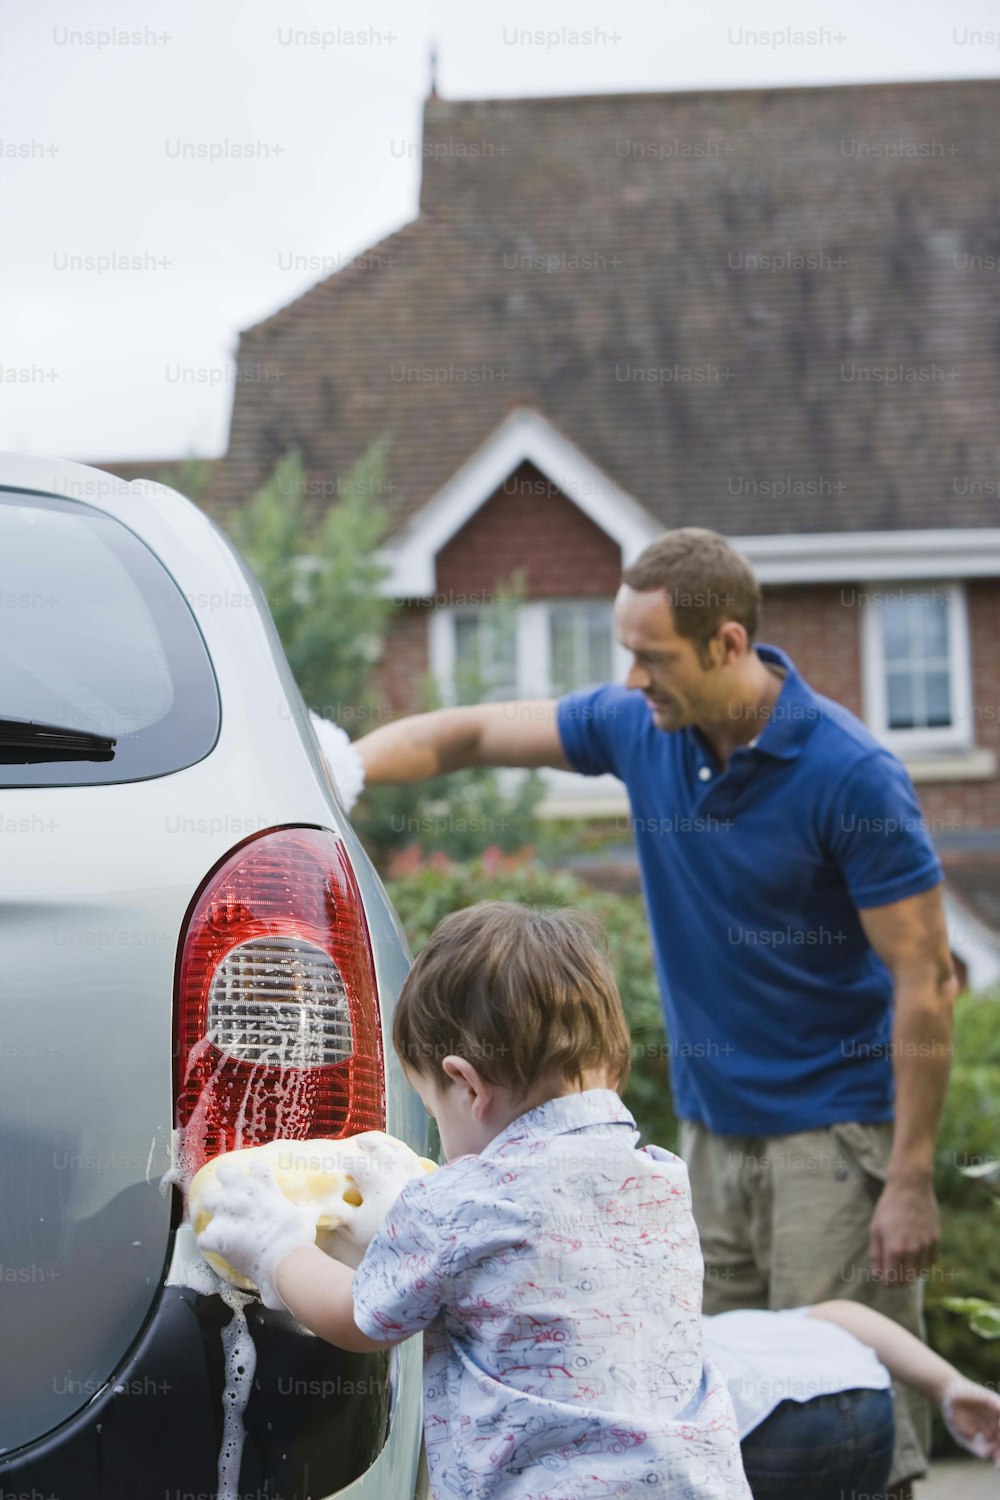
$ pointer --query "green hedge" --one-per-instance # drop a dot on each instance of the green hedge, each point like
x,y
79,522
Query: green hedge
x,y
435,887
969,1263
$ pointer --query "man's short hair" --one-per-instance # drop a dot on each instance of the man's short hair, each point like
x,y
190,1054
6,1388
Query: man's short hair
x,y
705,580
522,993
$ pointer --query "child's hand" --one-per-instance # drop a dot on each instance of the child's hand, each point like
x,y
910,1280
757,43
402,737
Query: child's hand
x,y
972,1416
380,1168
253,1225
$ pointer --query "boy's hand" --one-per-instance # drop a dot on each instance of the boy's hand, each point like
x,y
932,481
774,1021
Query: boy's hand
x,y
972,1416
381,1169
254,1225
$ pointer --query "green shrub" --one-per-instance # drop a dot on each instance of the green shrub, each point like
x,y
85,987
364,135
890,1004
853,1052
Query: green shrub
x,y
969,1263
426,890
970,1129
460,815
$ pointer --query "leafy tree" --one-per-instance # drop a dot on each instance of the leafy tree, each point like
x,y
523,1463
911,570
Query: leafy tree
x,y
321,577
190,477
465,813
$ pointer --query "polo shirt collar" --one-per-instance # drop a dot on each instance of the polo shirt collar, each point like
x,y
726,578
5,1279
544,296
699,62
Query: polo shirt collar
x,y
562,1116
795,713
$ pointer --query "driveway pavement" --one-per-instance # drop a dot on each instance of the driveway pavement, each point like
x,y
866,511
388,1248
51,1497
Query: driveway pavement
x,y
956,1480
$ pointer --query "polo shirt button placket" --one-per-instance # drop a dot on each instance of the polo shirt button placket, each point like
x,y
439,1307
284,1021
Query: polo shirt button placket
x,y
705,788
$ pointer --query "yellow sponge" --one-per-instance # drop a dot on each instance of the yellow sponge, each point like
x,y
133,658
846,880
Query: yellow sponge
x,y
318,1175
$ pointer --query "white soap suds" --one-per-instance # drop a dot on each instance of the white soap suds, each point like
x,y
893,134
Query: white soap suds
x,y
241,1361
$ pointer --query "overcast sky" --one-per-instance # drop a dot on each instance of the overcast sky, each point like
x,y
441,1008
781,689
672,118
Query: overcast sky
x,y
103,102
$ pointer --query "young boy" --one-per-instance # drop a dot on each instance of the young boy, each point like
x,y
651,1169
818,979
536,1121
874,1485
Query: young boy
x,y
552,1265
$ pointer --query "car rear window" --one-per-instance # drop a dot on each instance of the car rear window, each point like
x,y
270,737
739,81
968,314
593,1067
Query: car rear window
x,y
96,635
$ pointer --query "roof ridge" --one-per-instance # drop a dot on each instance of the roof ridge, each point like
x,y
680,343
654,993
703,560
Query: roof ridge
x,y
437,103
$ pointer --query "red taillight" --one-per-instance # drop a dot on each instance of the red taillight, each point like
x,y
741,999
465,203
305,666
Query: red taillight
x,y
278,1030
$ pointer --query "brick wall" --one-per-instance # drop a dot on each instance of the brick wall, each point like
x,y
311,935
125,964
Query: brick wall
x,y
821,630
404,666
976,804
821,634
529,524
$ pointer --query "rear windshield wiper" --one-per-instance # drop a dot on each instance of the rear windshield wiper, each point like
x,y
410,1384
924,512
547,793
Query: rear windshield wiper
x,y
23,740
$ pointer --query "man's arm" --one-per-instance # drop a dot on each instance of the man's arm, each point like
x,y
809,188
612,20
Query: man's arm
x,y
519,733
317,1290
911,937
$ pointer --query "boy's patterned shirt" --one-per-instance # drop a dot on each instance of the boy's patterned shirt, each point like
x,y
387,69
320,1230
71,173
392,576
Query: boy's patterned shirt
x,y
557,1279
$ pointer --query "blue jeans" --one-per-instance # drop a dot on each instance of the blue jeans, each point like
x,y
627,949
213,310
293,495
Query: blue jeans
x,y
830,1448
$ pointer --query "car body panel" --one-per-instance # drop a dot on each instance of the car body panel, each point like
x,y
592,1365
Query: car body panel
x,y
94,890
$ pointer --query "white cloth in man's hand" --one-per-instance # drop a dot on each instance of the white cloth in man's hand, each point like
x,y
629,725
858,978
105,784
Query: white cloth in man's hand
x,y
342,759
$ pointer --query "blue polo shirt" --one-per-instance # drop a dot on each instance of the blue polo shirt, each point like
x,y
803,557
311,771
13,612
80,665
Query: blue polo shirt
x,y
777,1009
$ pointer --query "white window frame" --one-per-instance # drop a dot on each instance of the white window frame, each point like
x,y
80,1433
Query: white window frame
x,y
914,743
534,666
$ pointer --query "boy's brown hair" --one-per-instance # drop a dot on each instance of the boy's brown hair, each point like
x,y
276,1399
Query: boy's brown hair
x,y
520,992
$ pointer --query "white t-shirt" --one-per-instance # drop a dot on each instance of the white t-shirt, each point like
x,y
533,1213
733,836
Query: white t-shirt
x,y
770,1357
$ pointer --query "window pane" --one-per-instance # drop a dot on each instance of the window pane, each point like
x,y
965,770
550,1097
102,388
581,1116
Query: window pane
x,y
896,629
485,655
579,645
563,657
938,702
467,641
97,636
934,632
900,688
498,631
599,645
916,640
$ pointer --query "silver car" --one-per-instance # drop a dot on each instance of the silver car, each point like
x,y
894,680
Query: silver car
x,y
195,953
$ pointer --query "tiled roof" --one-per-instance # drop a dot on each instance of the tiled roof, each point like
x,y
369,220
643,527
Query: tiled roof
x,y
757,310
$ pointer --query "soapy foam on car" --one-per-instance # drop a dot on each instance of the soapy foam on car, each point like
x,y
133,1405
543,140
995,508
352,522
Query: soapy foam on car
x,y
188,1148
346,1242
290,1100
241,1361
318,1172
238,1349
239,1354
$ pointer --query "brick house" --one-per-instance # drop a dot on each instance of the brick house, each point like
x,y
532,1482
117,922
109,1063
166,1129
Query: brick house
x,y
770,312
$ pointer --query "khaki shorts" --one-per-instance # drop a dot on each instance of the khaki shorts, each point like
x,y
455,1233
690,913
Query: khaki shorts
x,y
783,1222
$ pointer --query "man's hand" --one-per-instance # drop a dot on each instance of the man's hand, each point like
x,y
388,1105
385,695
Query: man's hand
x,y
911,937
342,760
253,1224
905,1230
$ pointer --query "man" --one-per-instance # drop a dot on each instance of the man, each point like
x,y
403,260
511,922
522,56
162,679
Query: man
x,y
798,931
